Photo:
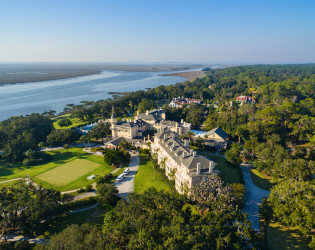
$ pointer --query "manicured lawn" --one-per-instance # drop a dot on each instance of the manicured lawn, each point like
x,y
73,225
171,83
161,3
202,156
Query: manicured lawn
x,y
75,121
59,157
228,172
95,216
261,180
69,172
145,177
283,237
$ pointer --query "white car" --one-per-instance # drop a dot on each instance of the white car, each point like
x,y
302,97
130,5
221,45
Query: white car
x,y
126,171
120,177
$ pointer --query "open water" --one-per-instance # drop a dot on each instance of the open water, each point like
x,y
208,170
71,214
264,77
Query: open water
x,y
38,97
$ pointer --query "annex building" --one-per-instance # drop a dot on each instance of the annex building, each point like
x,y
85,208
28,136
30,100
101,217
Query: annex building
x,y
181,163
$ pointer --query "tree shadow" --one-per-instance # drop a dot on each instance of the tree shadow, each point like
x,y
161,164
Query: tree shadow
x,y
284,237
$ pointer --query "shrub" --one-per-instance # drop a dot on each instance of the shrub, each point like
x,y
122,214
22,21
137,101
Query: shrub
x,y
103,179
107,193
88,188
81,190
27,162
87,201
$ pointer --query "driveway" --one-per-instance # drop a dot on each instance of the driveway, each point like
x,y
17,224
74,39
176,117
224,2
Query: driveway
x,y
253,198
126,186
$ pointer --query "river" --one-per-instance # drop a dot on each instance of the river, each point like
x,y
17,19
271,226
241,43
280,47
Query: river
x,y
26,98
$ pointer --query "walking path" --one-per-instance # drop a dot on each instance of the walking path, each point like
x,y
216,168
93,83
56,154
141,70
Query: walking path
x,y
126,186
253,197
16,179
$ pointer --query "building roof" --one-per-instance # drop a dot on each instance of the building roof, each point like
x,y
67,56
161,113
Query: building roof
x,y
175,148
219,131
155,115
115,141
127,124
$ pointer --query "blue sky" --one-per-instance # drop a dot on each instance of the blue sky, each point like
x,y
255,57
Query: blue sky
x,y
212,31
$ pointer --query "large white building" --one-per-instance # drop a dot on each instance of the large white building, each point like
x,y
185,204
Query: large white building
x,y
181,163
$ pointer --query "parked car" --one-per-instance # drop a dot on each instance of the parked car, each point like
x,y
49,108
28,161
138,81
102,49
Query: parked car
x,y
120,177
126,171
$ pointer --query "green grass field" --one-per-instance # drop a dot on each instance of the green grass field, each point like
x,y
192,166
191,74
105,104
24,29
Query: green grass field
x,y
284,237
145,177
75,121
59,157
261,180
69,172
228,172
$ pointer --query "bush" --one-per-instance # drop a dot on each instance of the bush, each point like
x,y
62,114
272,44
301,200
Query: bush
x,y
107,194
81,190
144,151
87,201
88,188
27,162
103,179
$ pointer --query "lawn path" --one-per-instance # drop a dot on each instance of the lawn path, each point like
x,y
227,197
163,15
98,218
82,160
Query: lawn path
x,y
126,186
16,179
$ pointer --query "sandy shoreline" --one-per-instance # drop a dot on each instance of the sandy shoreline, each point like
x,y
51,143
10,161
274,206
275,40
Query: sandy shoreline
x,y
22,73
190,75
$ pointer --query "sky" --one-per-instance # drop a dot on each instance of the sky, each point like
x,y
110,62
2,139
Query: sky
x,y
144,31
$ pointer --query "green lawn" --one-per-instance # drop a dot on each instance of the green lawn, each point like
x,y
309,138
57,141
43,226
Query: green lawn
x,y
95,216
75,121
69,172
145,177
7,184
228,172
261,180
59,157
284,237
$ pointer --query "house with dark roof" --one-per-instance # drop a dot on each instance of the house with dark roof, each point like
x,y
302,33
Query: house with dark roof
x,y
217,134
181,163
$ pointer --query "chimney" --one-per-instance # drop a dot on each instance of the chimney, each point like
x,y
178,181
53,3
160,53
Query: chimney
x,y
180,131
194,153
183,154
138,112
198,168
191,151
186,143
211,167
147,112
182,121
165,136
173,135
176,126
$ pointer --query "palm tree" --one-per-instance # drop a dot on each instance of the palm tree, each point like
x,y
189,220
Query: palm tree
x,y
190,134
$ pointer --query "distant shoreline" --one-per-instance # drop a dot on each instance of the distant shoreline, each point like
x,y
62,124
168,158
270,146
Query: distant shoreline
x,y
36,73
189,75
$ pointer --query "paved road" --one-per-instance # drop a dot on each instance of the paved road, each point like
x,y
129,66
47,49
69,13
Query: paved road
x,y
126,186
253,198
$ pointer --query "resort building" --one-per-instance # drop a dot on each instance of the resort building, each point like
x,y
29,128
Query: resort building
x,y
143,123
180,101
180,128
181,163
